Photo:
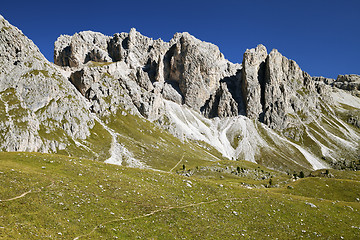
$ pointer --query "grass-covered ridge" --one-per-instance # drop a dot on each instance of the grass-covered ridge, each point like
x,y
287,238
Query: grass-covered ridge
x,y
64,198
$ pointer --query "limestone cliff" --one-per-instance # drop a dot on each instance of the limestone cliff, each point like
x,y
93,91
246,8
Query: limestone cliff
x,y
185,70
40,109
131,71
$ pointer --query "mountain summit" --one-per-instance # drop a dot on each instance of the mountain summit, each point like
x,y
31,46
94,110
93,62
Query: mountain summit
x,y
131,100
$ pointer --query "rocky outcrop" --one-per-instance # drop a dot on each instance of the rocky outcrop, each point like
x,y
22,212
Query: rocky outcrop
x,y
76,50
325,80
171,91
227,101
349,82
197,67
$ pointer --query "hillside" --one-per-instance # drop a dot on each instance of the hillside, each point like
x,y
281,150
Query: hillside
x,y
50,196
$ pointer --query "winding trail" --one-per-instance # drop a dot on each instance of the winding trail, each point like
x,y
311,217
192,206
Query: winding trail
x,y
177,162
164,209
26,193
17,197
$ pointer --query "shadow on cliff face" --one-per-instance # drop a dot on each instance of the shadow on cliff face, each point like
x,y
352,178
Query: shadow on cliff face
x,y
262,82
227,100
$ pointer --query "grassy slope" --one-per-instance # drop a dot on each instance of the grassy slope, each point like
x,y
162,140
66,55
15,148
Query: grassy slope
x,y
71,197
157,147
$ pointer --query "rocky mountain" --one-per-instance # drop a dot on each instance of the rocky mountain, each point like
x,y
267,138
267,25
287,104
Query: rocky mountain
x,y
132,100
40,110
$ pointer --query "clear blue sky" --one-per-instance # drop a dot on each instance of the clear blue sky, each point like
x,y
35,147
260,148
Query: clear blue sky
x,y
323,37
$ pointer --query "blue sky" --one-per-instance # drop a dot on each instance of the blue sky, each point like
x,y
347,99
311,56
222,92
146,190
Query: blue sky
x,y
323,37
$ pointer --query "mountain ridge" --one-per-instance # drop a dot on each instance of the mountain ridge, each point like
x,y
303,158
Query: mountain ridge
x,y
266,106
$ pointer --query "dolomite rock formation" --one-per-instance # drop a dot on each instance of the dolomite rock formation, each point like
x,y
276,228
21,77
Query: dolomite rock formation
x,y
81,48
197,67
185,85
227,101
266,87
185,70
283,78
128,70
275,90
40,109
350,82
253,74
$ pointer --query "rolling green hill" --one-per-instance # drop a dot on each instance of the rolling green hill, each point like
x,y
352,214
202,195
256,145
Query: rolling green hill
x,y
56,197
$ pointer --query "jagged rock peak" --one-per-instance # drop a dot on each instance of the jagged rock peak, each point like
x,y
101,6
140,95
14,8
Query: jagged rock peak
x,y
275,88
188,70
76,50
197,67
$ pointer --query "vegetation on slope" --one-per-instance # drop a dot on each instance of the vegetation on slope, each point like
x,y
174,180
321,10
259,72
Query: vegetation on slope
x,y
58,197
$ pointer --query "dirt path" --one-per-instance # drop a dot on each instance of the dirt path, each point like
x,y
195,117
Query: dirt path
x,y
178,162
26,193
160,210
17,197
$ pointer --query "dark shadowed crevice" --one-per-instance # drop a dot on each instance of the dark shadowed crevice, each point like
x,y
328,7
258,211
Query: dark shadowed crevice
x,y
114,48
150,68
262,79
76,80
167,61
233,85
211,105
63,59
125,43
243,90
